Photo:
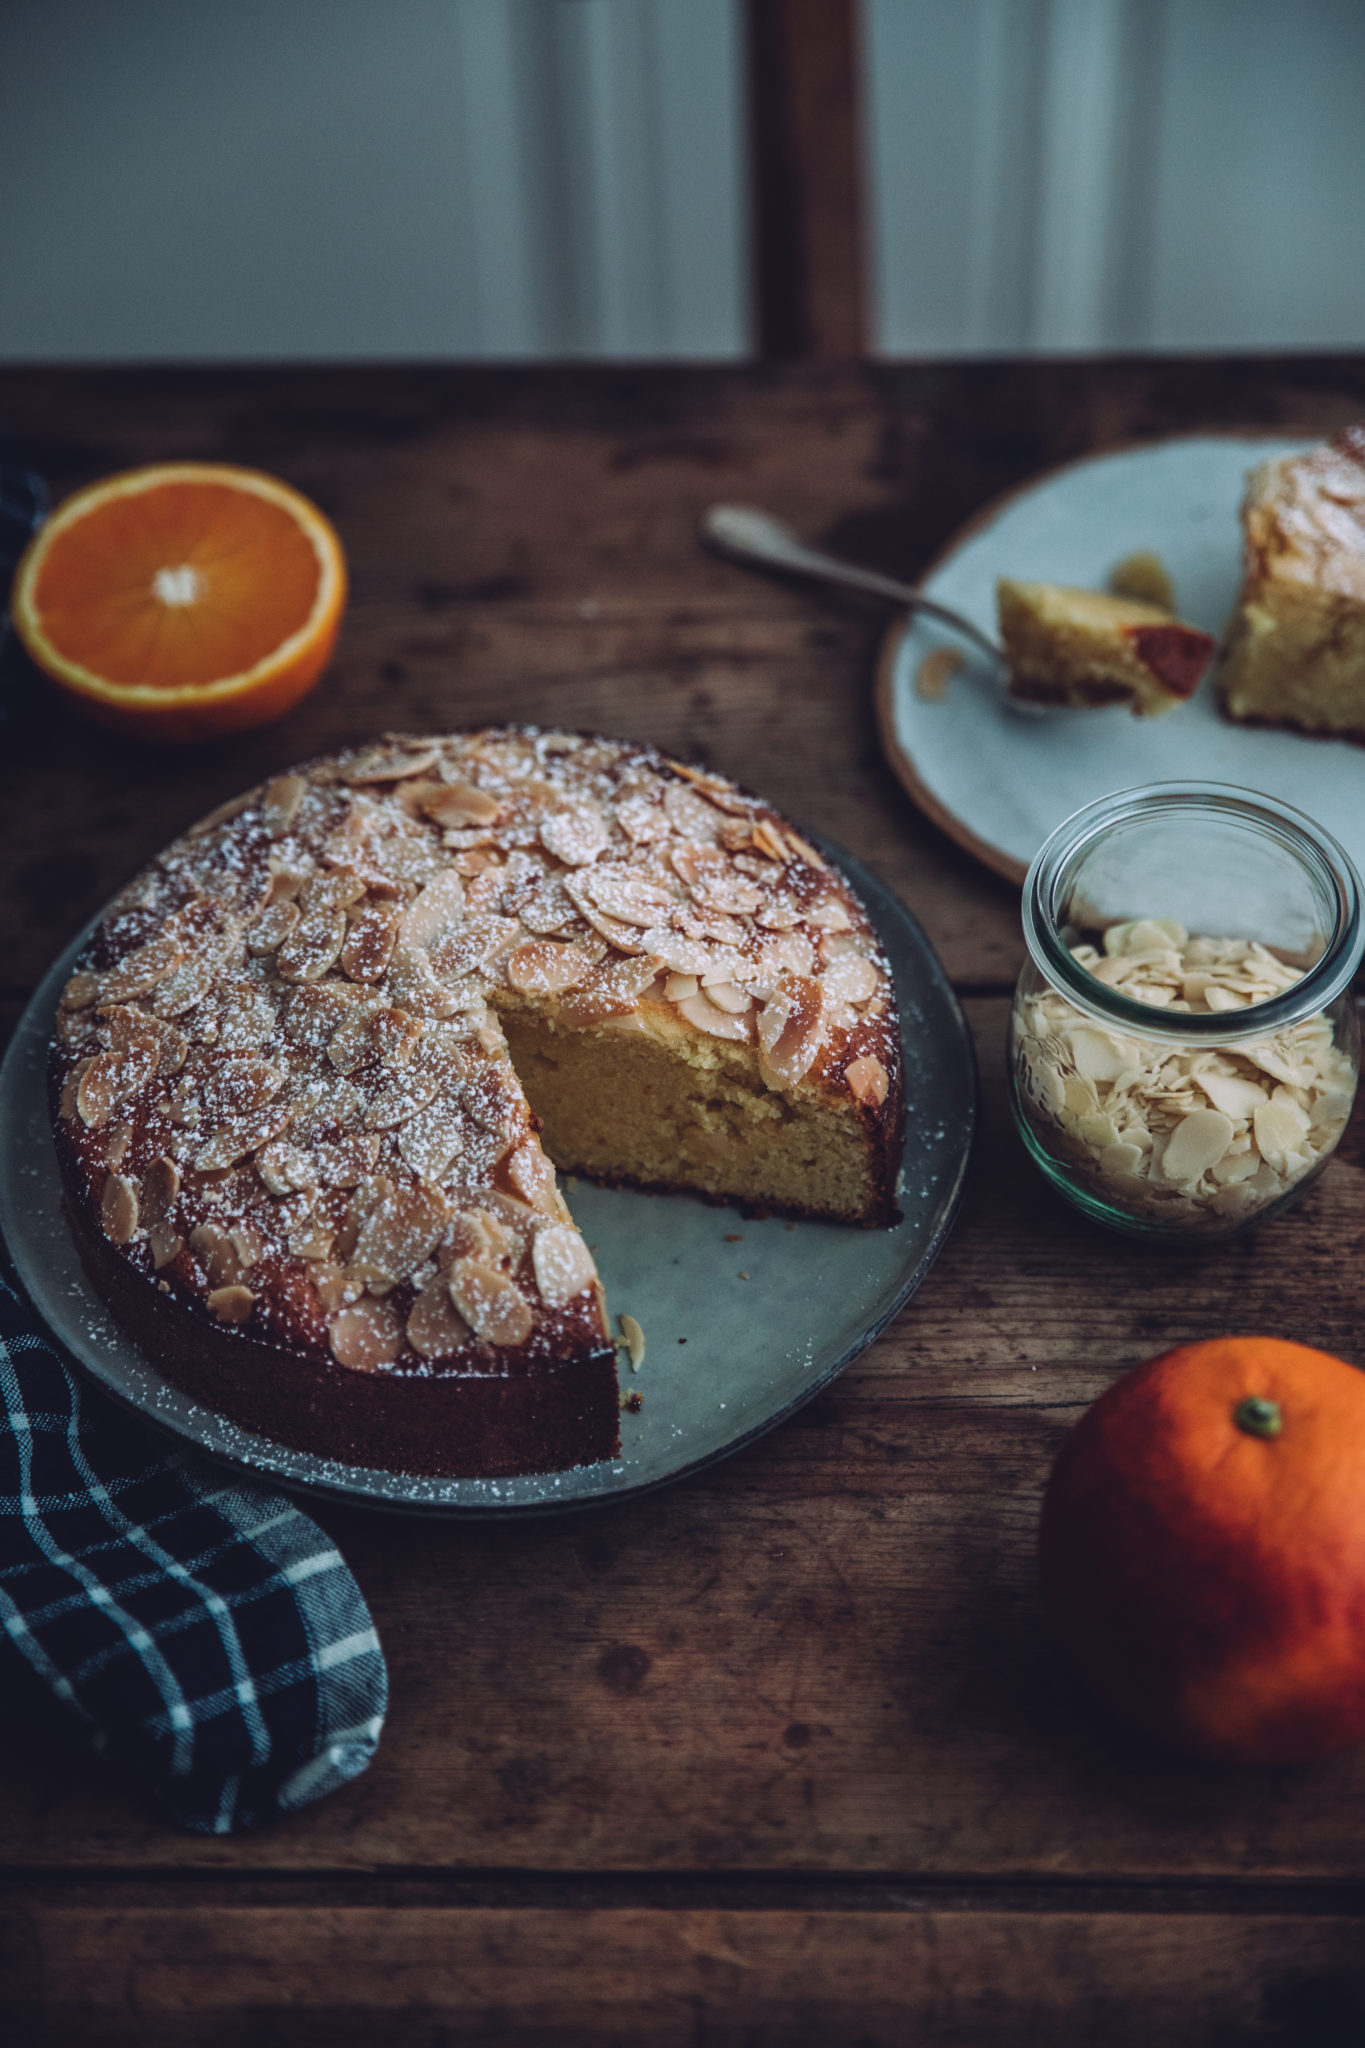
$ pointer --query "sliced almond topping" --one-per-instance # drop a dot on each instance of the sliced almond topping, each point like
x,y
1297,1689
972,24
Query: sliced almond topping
x,y
769,840
868,1080
231,1304
313,945
679,987
543,967
790,1031
851,979
233,1141
160,1187
312,1014
494,1308
140,971
365,1336
549,910
350,1044
266,933
726,994
334,1287
436,1329
116,1149
399,1232
370,943
635,1341
628,897
396,1036
387,764
280,804
247,1243
217,1254
717,1023
67,1107
681,956
80,992
432,1140
533,1177
459,803
399,1099
613,991
118,1210
165,1245
563,1264
575,835
481,1235
829,916
434,913
806,851
185,986
690,816
414,986
109,1080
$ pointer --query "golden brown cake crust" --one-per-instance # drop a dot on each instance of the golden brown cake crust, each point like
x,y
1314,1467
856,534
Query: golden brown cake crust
x,y
300,1164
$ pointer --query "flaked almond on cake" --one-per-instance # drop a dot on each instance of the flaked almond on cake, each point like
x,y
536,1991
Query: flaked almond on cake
x,y
1296,653
316,1067
1086,647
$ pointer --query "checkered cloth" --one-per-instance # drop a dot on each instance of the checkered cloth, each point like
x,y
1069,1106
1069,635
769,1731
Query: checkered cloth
x,y
207,1634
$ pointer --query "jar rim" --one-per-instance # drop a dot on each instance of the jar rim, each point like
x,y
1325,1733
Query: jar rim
x,y
1329,861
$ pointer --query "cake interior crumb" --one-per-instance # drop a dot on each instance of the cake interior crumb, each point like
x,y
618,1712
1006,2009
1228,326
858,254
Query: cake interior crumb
x,y
661,1109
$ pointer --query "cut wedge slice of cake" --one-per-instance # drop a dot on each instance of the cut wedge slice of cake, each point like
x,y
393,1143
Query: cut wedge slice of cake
x,y
1296,652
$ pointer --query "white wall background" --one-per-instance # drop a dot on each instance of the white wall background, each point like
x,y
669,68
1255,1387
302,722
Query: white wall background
x,y
1088,174
517,178
285,178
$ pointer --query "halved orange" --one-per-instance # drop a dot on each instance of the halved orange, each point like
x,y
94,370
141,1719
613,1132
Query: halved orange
x,y
183,600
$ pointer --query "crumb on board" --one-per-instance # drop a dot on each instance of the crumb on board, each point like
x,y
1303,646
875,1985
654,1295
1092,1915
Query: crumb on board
x,y
932,677
734,1237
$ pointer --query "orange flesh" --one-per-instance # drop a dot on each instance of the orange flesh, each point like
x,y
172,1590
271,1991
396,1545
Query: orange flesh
x,y
252,583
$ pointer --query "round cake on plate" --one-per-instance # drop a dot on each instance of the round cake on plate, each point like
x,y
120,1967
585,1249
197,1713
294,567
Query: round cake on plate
x,y
315,1063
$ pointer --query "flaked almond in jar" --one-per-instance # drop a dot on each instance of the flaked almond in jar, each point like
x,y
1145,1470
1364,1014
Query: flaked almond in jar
x,y
1177,1081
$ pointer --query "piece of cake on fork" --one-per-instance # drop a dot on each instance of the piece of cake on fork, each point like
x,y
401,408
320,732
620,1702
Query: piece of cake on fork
x,y
1085,647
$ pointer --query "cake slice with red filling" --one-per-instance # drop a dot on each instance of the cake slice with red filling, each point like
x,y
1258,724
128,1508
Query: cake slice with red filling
x,y
1084,647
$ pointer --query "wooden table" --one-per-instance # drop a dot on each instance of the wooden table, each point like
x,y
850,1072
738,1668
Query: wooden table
x,y
783,1754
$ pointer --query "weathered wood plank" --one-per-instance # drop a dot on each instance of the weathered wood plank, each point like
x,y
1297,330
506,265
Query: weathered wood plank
x,y
431,1978
825,1655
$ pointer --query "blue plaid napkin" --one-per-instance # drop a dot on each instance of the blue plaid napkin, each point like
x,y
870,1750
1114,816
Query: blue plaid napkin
x,y
207,1635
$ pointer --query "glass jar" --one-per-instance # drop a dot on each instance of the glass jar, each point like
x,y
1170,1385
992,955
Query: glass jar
x,y
1184,1048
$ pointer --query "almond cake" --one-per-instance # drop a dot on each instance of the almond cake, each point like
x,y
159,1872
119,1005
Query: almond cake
x,y
1084,647
1296,653
313,1067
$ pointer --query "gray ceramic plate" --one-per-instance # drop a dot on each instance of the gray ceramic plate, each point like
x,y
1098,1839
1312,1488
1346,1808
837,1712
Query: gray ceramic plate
x,y
738,1334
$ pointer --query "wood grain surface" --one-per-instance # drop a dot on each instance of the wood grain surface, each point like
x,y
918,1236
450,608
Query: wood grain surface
x,y
783,1754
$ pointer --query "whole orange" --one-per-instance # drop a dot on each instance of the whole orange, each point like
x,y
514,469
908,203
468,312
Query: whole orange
x,y
1203,1549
